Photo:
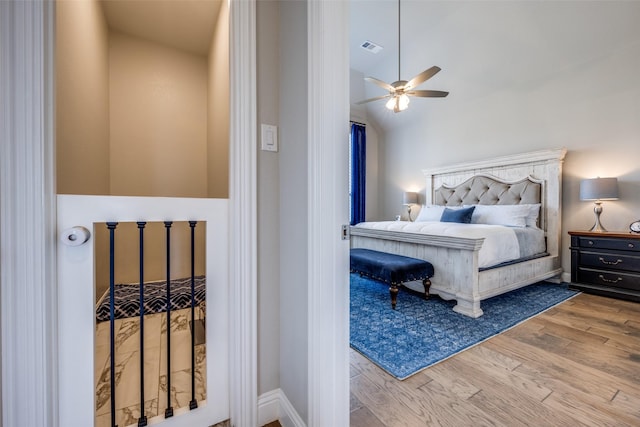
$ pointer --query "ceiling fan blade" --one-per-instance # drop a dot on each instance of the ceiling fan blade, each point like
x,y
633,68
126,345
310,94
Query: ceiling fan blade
x,y
380,83
423,77
428,93
373,99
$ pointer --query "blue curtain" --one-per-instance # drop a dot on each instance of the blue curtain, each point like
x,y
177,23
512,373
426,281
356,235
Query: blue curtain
x,y
358,172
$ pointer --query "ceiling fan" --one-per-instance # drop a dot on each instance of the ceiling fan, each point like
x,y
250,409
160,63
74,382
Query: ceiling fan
x,y
401,90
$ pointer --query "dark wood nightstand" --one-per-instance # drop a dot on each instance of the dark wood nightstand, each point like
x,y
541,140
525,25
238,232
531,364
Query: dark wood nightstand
x,y
606,264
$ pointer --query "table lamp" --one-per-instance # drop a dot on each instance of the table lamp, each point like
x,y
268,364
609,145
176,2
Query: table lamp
x,y
410,198
599,189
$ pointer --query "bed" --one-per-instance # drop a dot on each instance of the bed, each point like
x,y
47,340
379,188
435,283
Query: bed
x,y
462,272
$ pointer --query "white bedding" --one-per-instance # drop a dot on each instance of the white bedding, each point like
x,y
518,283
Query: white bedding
x,y
500,242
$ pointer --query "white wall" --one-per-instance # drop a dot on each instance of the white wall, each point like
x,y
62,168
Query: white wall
x,y
293,204
283,228
525,76
268,87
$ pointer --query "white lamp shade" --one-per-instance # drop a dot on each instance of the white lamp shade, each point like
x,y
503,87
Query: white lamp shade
x,y
599,189
410,198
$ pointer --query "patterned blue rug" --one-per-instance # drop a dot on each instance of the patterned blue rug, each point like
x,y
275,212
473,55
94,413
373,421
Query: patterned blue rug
x,y
421,333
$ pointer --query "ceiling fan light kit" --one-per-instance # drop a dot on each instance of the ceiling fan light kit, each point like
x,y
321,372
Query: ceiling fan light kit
x,y
398,103
401,90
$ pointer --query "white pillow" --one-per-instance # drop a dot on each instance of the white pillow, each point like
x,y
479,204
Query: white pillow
x,y
430,213
532,217
509,215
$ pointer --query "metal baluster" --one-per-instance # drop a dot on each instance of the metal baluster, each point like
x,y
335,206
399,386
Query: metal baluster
x,y
169,411
112,346
142,421
194,403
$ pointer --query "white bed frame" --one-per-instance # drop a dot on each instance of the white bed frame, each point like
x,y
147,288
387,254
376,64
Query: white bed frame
x,y
455,259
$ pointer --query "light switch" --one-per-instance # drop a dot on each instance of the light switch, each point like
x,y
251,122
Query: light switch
x,y
269,137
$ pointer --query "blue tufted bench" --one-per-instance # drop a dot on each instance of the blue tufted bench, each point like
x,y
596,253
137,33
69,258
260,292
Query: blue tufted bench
x,y
391,269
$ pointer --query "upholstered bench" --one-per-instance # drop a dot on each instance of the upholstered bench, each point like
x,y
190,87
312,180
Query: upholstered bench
x,y
391,269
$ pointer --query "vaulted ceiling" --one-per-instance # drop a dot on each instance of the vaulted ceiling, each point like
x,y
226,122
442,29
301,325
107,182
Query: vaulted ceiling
x,y
421,47
486,49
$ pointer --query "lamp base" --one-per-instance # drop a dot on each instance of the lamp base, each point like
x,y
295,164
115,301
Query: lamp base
x,y
409,212
597,227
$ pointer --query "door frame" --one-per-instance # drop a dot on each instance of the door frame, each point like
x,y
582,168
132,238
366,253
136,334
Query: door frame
x,y
28,289
243,268
28,321
328,254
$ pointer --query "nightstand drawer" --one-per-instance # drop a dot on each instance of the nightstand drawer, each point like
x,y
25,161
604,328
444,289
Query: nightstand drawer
x,y
604,243
609,278
609,261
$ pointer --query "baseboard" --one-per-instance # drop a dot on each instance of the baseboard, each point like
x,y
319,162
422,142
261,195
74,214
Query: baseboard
x,y
269,407
566,277
274,406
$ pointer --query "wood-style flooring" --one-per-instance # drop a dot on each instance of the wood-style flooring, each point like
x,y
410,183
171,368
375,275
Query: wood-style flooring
x,y
577,364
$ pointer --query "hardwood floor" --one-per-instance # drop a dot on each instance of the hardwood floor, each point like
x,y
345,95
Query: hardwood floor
x,y
577,364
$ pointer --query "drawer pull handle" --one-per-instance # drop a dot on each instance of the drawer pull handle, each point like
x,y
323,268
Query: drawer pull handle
x,y
591,242
616,262
610,281
630,245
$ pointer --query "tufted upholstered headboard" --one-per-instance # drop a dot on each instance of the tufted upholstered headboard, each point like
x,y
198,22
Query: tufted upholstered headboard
x,y
488,190
534,177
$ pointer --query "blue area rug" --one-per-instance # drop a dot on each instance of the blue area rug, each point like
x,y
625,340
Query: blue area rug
x,y
421,333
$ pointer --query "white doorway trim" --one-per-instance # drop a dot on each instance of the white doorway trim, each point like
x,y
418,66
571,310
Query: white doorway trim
x,y
243,214
328,119
28,290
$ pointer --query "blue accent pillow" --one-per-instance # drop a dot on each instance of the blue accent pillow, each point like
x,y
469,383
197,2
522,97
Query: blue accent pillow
x,y
463,216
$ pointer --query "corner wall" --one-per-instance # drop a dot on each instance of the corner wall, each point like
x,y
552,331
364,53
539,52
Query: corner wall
x,y
218,108
268,87
293,204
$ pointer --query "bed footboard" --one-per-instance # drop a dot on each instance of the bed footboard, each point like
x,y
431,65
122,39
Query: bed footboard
x,y
455,260
456,274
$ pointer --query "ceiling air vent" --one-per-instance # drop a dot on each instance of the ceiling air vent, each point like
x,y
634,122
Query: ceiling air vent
x,y
371,47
